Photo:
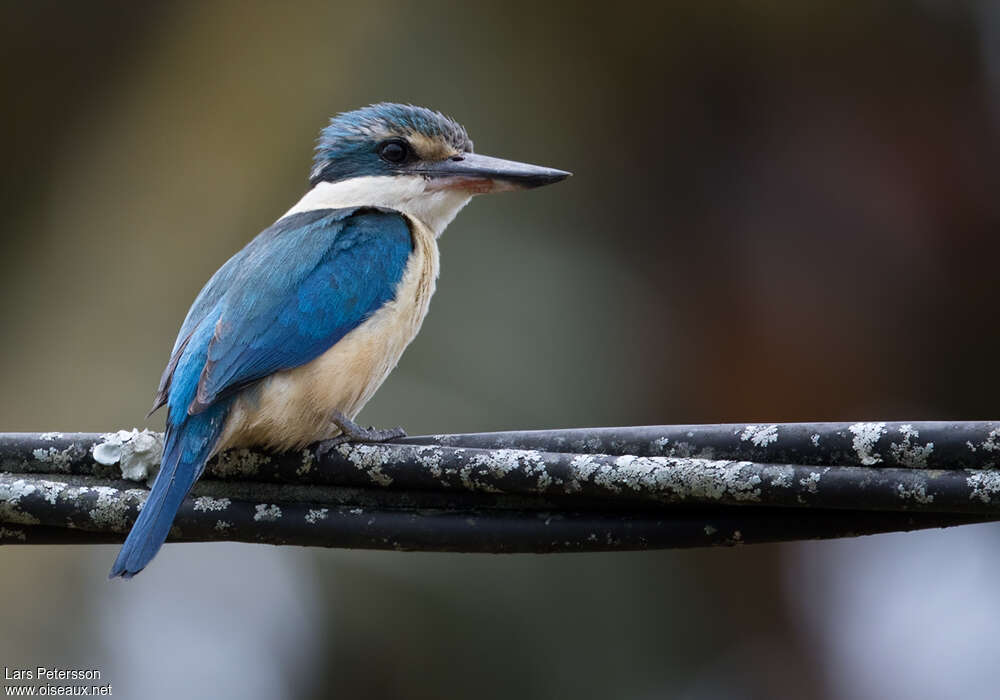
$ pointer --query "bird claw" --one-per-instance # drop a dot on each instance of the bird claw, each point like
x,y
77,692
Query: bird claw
x,y
352,432
327,446
355,433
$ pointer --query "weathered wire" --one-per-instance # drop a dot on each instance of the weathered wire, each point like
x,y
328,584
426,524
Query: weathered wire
x,y
910,444
537,491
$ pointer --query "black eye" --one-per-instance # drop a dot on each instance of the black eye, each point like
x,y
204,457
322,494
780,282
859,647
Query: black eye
x,y
394,151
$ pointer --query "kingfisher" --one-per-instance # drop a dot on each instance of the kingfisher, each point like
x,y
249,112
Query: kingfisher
x,y
293,335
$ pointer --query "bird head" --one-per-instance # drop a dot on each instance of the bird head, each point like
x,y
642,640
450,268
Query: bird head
x,y
411,159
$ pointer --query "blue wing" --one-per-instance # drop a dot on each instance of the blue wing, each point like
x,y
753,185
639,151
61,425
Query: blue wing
x,y
291,294
203,305
288,296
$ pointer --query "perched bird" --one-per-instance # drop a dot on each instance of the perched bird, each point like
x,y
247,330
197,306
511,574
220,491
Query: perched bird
x,y
293,335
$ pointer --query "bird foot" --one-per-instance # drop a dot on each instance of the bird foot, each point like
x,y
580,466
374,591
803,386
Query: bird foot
x,y
352,432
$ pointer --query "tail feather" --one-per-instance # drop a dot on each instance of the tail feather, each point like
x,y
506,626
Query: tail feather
x,y
187,448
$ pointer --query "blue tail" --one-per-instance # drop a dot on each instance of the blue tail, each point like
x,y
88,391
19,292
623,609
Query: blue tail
x,y
187,449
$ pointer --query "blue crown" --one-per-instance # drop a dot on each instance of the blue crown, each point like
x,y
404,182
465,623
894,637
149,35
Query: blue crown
x,y
342,146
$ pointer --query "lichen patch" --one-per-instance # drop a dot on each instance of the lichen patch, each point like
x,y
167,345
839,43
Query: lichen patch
x,y
866,435
367,458
760,435
207,504
240,463
11,494
137,452
316,514
267,513
985,485
111,511
908,452
60,460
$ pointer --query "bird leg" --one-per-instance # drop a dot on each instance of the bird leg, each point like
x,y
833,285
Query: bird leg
x,y
352,432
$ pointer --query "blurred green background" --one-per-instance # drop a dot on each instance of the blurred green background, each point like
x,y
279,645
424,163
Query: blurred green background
x,y
781,211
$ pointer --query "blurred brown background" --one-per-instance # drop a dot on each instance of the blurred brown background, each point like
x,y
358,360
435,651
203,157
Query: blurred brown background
x,y
780,211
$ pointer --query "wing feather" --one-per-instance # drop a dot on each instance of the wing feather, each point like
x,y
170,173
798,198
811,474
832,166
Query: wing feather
x,y
288,296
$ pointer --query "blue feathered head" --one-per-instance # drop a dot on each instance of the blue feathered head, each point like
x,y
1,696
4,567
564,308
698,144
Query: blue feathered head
x,y
382,139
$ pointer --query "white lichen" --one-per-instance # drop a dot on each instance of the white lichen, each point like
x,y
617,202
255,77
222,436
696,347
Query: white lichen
x,y
584,466
668,478
59,460
658,446
49,490
866,435
783,476
430,458
918,493
11,494
369,459
907,452
240,463
811,482
760,435
992,441
682,449
498,463
206,504
111,510
534,464
316,514
308,459
137,452
267,513
484,469
984,484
